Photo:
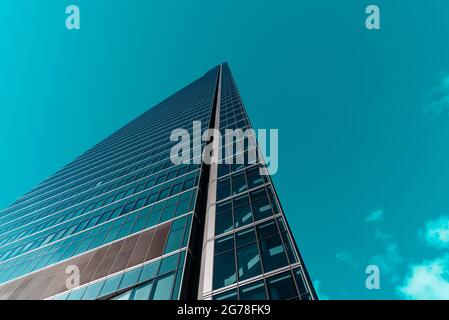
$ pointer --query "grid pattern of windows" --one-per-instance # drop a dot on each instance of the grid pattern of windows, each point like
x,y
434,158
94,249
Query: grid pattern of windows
x,y
287,285
132,221
118,193
254,254
157,280
252,251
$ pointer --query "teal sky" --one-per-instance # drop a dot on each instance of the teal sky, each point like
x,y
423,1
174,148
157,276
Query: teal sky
x,y
363,116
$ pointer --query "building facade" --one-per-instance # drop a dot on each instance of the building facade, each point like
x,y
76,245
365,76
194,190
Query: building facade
x,y
122,221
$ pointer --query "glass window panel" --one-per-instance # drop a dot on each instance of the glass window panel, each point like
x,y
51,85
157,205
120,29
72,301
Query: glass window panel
x,y
224,244
155,216
186,236
130,278
111,285
179,223
223,188
164,193
273,254
248,262
143,292
176,188
300,281
259,193
289,248
245,237
76,294
253,291
177,286
223,169
254,178
238,183
224,270
242,216
123,296
149,271
61,296
281,287
169,212
228,295
281,224
169,264
174,240
183,207
93,291
140,224
223,222
125,230
266,229
224,207
163,287
273,200
262,208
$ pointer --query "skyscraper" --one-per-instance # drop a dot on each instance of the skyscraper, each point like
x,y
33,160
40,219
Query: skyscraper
x,y
122,221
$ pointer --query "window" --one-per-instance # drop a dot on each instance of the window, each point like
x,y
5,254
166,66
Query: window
x,y
281,287
254,178
149,271
164,193
228,295
183,207
289,248
124,296
223,222
242,211
300,281
163,287
223,188
248,262
224,244
266,229
143,292
245,237
130,278
273,200
253,291
238,183
224,270
169,264
189,183
168,213
76,294
261,204
93,291
111,285
174,240
223,169
272,251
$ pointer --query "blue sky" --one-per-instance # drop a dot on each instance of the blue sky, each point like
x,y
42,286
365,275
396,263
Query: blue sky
x,y
363,116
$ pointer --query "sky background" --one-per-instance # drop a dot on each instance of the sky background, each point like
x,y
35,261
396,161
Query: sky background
x,y
363,116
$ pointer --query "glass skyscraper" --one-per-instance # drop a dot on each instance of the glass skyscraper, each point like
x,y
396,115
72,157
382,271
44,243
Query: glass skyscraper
x,y
122,221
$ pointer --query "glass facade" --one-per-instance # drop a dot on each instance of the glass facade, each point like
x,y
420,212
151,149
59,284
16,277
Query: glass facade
x,y
131,222
252,254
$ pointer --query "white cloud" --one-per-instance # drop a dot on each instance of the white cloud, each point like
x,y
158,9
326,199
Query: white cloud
x,y
428,280
375,216
436,232
389,261
380,235
438,97
346,257
317,286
